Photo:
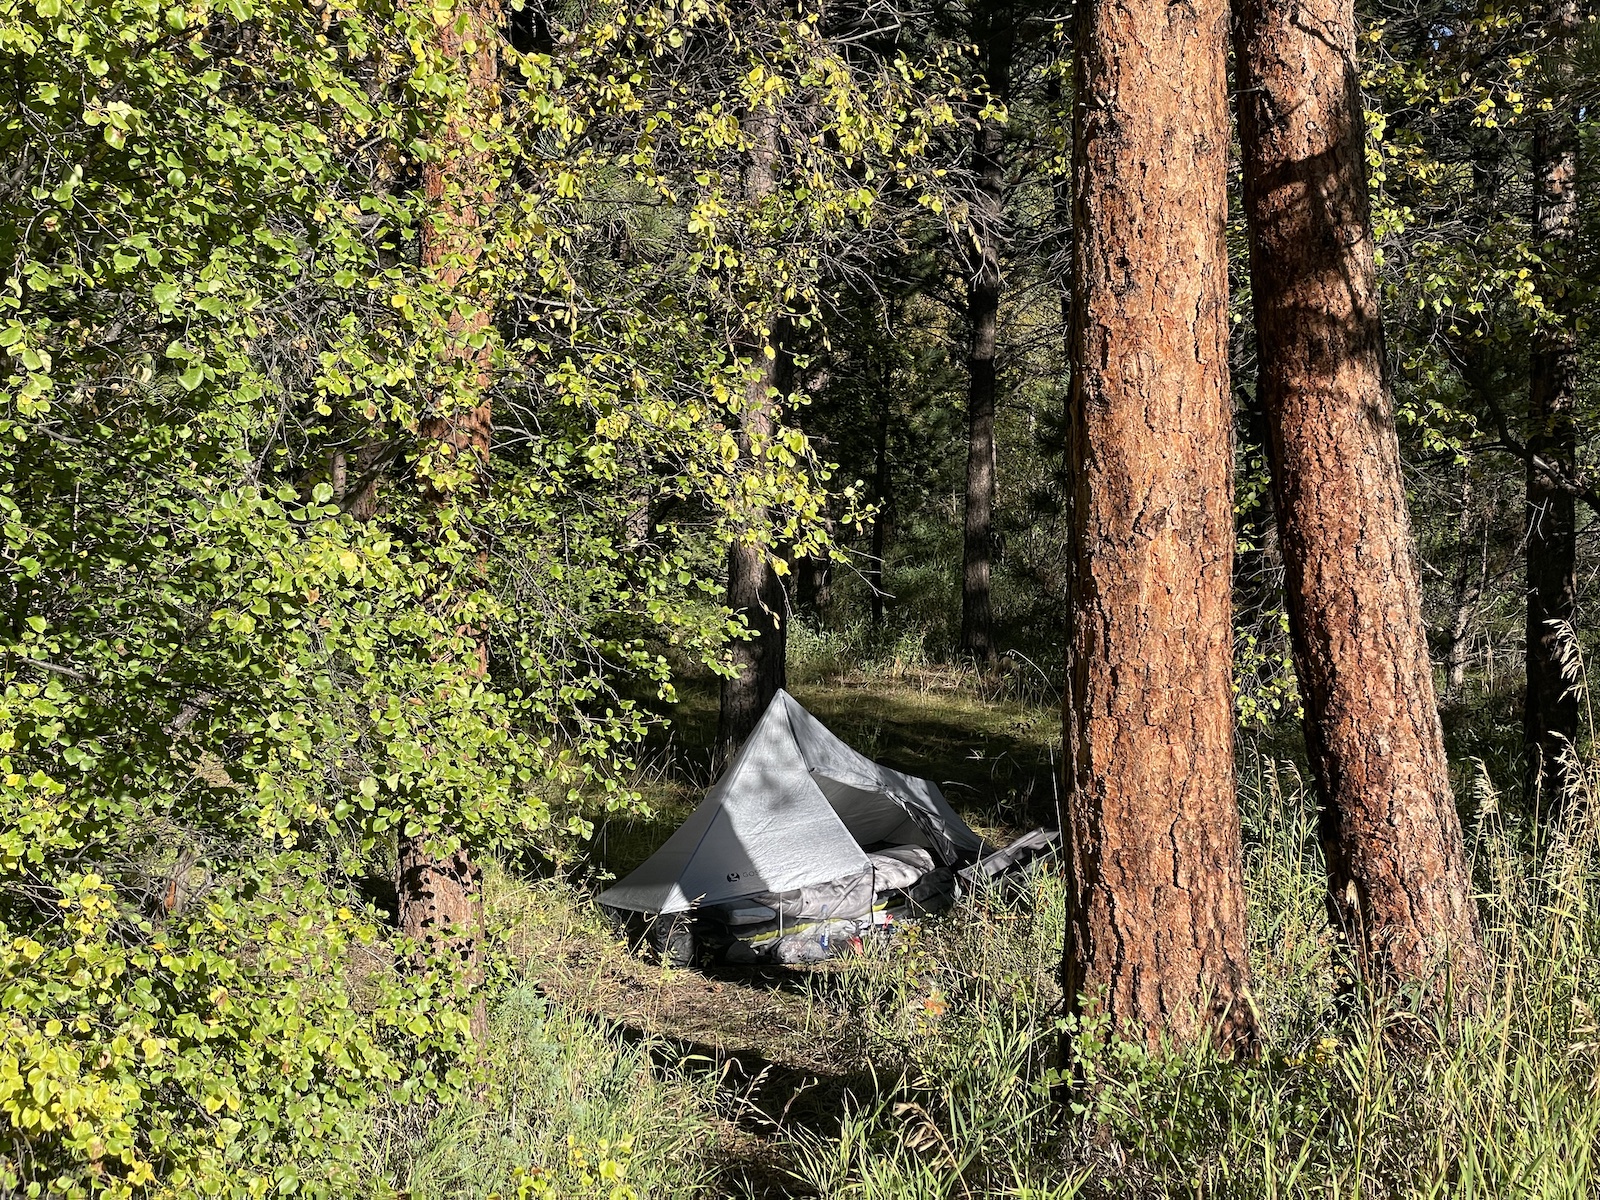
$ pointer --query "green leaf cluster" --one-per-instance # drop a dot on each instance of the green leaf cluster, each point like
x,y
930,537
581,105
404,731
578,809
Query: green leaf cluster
x,y
246,597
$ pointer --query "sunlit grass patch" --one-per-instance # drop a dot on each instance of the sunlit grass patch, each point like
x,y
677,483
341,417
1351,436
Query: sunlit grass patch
x,y
1350,1097
570,1107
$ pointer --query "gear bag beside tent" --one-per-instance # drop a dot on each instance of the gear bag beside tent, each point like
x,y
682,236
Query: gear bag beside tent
x,y
803,843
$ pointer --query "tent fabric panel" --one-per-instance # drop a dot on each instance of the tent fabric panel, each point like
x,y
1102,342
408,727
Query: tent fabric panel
x,y
770,823
764,827
824,753
828,756
653,886
924,796
872,817
786,834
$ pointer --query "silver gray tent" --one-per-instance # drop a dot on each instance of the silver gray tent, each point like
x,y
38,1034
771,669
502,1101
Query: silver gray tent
x,y
796,808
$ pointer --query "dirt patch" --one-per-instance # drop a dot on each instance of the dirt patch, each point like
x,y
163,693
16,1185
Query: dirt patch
x,y
765,1037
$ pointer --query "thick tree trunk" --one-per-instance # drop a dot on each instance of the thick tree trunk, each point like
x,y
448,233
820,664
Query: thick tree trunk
x,y
814,583
1398,874
756,593
983,314
439,894
1550,709
1156,920
754,590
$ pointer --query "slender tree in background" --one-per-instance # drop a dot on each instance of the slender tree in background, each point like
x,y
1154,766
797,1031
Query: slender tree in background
x,y
439,893
1550,711
994,32
1156,928
880,485
755,592
1466,589
1389,824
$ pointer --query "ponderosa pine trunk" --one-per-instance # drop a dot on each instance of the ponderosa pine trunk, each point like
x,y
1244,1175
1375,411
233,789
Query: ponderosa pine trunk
x,y
983,315
1156,907
1550,708
755,592
439,892
1398,875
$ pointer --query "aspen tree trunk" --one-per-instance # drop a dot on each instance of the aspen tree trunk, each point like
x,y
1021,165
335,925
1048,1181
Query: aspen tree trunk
x,y
1465,593
1550,711
1398,874
983,314
440,894
754,590
1156,920
880,493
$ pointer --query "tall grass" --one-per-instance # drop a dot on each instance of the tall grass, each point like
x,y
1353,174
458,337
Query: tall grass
x,y
957,1016
954,1033
569,1110
909,652
1351,1097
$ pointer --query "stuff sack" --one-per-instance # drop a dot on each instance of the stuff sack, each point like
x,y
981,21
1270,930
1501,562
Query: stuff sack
x,y
671,938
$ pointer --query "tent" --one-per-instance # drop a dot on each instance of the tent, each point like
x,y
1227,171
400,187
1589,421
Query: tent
x,y
797,811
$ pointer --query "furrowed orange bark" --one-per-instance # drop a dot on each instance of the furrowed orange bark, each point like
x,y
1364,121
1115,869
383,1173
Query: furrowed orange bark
x,y
1398,873
1156,928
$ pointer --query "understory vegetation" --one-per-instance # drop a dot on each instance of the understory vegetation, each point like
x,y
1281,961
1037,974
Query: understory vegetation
x,y
927,1066
433,431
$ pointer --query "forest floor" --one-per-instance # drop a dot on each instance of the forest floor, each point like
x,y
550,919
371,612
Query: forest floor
x,y
921,1067
774,1042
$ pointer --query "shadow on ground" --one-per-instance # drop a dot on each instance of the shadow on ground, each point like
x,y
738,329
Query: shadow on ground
x,y
778,1059
762,1098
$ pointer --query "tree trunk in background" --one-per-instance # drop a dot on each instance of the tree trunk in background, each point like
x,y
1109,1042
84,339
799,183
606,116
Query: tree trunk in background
x,y
1465,593
1398,873
755,593
1156,916
880,494
983,314
754,590
1550,712
439,896
359,496
814,583
636,525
